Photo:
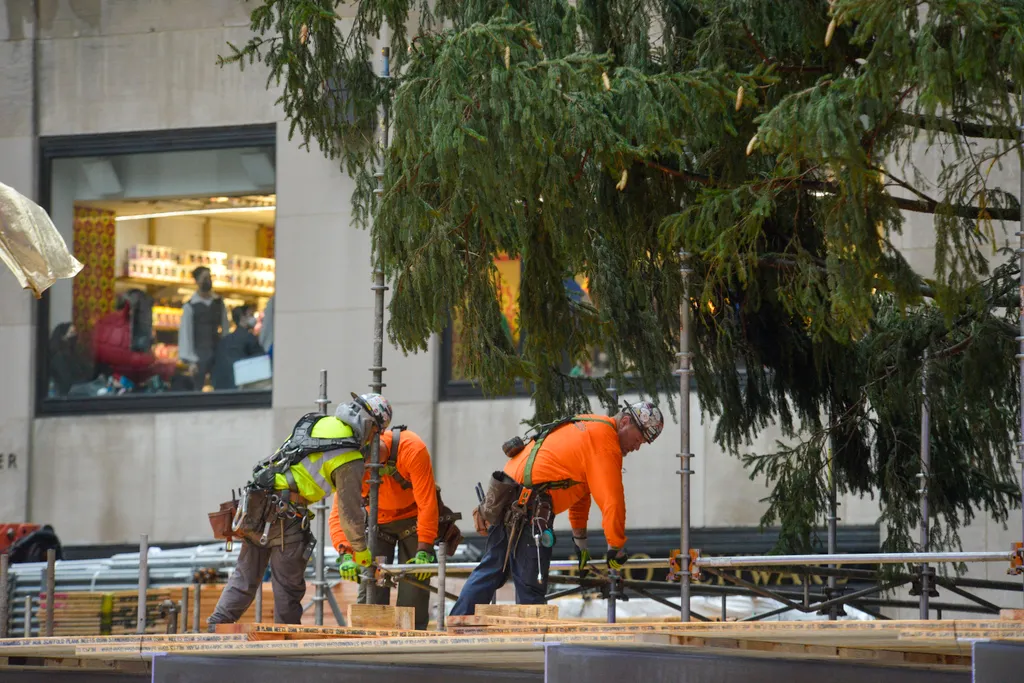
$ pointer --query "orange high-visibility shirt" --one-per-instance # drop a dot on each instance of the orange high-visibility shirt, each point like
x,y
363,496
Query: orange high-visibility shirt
x,y
394,502
588,453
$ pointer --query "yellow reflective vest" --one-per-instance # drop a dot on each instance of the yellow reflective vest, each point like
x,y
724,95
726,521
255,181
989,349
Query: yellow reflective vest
x,y
312,477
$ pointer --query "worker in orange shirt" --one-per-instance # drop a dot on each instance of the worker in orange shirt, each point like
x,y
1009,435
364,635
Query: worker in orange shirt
x,y
407,517
560,468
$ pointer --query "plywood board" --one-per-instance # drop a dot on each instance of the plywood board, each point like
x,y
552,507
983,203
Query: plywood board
x,y
382,616
521,611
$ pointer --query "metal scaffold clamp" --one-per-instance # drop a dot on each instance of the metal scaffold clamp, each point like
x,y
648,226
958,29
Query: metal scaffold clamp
x,y
676,571
1016,559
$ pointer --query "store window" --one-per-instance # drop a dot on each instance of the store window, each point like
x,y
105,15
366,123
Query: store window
x,y
455,382
175,300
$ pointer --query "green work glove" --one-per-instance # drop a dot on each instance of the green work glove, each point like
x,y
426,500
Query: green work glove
x,y
422,557
584,557
348,568
363,557
616,558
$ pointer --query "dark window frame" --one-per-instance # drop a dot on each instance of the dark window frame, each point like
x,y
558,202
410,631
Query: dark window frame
x,y
52,148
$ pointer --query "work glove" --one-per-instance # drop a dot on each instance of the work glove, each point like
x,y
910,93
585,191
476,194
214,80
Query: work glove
x,y
616,559
422,557
584,556
349,564
348,568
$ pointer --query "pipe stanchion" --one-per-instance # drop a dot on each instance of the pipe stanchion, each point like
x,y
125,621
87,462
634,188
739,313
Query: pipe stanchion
x,y
377,385
51,584
196,595
259,604
442,575
27,631
183,608
143,582
685,457
320,509
5,595
923,476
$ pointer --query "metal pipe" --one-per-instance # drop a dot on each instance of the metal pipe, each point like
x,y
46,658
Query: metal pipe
x,y
925,473
143,582
183,608
320,510
833,518
28,617
613,594
5,595
195,607
685,457
725,608
851,558
377,385
442,607
259,604
51,583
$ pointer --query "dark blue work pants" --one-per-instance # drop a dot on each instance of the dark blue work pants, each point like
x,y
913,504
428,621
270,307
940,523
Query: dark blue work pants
x,y
489,575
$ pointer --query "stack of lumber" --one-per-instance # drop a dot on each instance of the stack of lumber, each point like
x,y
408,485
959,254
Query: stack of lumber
x,y
106,613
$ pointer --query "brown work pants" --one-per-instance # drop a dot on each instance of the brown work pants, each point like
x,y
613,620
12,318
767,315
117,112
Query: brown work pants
x,y
287,575
408,594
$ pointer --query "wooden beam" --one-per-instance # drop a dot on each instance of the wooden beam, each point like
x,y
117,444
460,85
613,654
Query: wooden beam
x,y
381,617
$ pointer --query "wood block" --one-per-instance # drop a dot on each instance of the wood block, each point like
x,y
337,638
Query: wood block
x,y
381,616
1012,614
521,611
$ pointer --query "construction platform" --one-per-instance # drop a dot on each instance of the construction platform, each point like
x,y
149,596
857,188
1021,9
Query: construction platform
x,y
498,648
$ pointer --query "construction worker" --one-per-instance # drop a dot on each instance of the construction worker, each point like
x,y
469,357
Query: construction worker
x,y
323,455
560,468
407,516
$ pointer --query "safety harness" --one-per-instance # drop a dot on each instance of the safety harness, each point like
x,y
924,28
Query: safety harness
x,y
540,515
389,468
295,449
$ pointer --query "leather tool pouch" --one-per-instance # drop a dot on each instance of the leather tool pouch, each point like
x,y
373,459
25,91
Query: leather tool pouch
x,y
257,511
502,491
220,521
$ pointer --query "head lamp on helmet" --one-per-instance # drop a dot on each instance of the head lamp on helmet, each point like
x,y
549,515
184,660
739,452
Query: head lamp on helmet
x,y
376,406
648,418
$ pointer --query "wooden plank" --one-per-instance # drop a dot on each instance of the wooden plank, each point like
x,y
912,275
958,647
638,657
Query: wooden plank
x,y
521,611
1012,614
65,645
436,643
281,631
382,616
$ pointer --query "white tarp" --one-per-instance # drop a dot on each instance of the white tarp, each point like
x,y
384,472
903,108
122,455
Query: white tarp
x,y
737,607
30,244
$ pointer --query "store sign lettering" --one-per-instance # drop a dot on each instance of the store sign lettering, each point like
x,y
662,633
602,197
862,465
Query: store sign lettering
x,y
8,461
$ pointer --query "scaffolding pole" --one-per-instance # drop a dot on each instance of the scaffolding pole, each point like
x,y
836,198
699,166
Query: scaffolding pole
x,y
685,457
925,472
833,518
320,510
377,369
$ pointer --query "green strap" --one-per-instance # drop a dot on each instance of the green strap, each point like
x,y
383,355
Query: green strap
x,y
391,468
528,472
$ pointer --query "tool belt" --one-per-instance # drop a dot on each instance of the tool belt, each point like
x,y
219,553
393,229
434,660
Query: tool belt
x,y
447,531
254,512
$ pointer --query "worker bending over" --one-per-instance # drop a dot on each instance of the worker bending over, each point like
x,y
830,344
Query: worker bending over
x,y
407,517
322,456
560,468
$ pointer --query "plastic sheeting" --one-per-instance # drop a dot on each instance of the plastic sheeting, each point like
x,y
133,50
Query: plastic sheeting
x,y
737,607
30,244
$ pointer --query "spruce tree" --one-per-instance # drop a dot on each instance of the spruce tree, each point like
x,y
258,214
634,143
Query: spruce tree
x,y
778,144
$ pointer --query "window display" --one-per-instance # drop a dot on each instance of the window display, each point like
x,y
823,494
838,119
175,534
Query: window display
x,y
179,270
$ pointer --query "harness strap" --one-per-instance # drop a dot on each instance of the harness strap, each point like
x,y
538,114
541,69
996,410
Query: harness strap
x,y
561,483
